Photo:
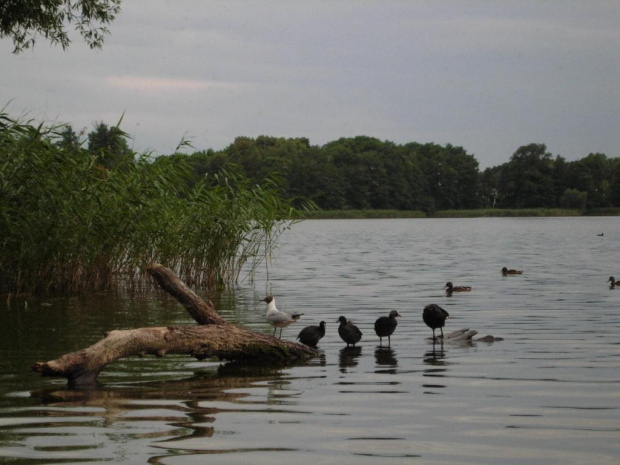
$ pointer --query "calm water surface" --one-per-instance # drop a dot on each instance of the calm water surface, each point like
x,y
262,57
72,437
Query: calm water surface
x,y
549,393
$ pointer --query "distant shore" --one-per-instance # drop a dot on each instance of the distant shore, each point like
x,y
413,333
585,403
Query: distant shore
x,y
481,213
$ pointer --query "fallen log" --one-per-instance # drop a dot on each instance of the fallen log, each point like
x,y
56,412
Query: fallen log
x,y
212,337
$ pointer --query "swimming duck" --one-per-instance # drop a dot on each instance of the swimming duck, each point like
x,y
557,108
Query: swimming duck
x,y
612,282
277,318
506,271
311,335
385,326
435,317
348,332
449,287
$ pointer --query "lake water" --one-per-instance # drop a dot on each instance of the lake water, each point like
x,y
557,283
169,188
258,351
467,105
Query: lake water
x,y
549,393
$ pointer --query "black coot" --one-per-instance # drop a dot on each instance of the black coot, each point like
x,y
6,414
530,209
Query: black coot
x,y
311,335
385,326
349,332
435,317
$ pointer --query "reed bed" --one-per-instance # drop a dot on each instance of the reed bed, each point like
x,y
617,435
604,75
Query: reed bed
x,y
361,214
609,211
506,212
68,225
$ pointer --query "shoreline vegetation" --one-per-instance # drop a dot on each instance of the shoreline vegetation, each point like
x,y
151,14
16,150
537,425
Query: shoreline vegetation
x,y
76,220
479,213
82,215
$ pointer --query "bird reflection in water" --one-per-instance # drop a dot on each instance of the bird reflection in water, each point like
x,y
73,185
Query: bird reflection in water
x,y
437,368
436,356
321,359
386,357
318,361
348,357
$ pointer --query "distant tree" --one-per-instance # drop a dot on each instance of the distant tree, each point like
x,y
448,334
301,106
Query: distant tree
x,y
615,183
466,170
354,169
23,20
204,163
109,144
432,166
559,175
313,177
373,174
403,179
68,139
452,176
490,191
527,180
574,198
592,174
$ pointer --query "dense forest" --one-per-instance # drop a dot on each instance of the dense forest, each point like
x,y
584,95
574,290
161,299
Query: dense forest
x,y
366,173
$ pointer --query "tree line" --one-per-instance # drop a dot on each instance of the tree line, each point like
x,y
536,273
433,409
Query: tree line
x,y
365,173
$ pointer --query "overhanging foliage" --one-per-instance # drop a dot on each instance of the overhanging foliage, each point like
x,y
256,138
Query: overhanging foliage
x,y
24,20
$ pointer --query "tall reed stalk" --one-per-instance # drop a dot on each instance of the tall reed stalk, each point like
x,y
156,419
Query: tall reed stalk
x,y
68,225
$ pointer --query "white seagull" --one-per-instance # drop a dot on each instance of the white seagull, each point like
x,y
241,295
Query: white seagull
x,y
277,318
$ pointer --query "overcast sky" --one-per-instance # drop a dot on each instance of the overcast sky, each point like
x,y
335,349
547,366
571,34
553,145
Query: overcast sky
x,y
489,76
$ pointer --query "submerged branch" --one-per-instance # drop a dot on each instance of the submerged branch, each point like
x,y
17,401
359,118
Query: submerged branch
x,y
465,335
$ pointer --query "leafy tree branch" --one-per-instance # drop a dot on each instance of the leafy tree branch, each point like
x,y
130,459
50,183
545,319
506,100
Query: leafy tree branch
x,y
24,20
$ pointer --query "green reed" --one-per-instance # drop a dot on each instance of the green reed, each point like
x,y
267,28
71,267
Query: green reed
x,y
507,212
69,225
361,214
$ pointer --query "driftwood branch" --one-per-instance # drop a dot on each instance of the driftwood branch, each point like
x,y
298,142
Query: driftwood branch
x,y
201,311
212,337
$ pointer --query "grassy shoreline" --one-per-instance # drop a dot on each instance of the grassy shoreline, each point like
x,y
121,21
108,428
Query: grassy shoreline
x,y
481,213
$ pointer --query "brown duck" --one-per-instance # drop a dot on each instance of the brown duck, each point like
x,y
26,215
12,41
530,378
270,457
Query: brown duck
x,y
506,271
450,288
